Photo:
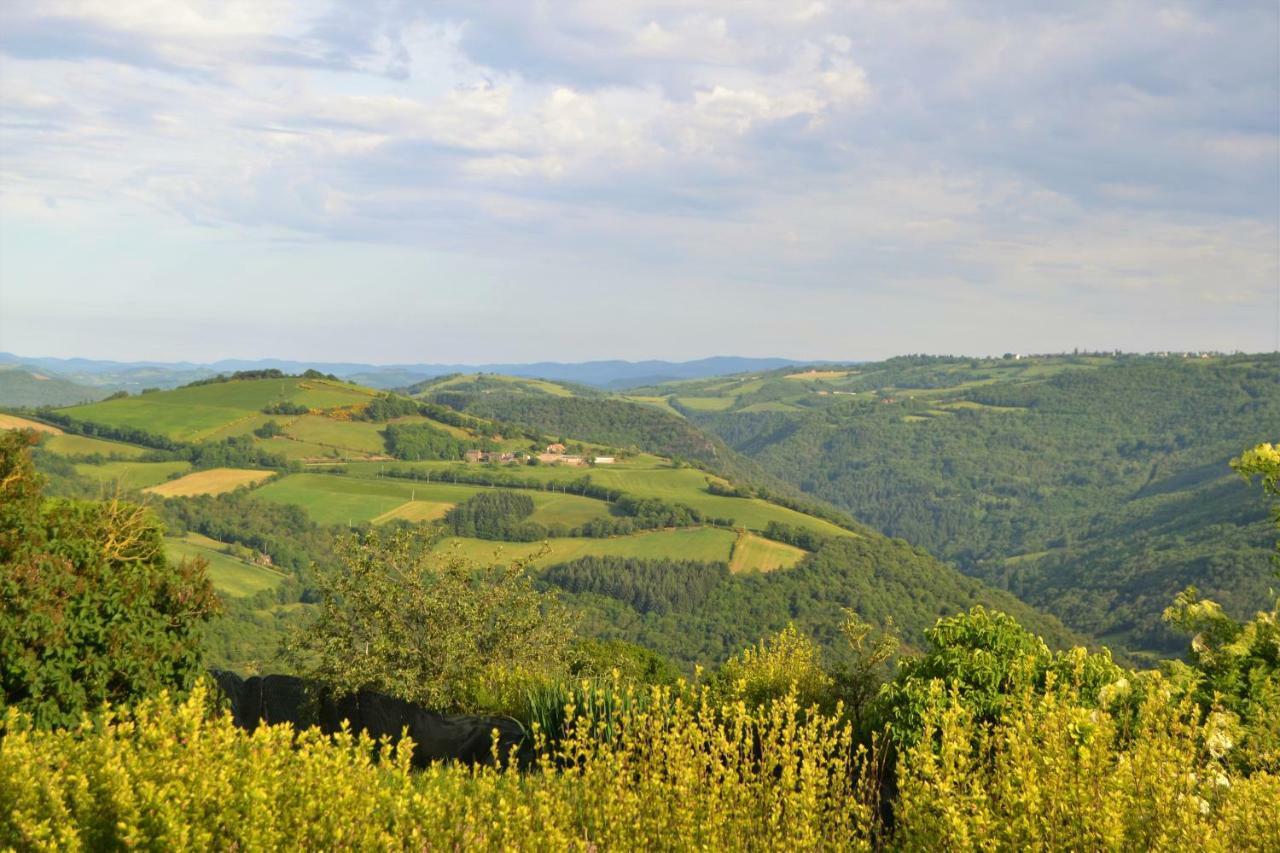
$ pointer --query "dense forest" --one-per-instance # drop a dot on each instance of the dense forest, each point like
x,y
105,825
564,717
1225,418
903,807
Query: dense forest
x,y
1095,494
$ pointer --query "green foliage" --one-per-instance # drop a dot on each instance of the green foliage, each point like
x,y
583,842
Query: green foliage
x,y
284,407
1234,667
885,581
422,441
90,609
387,406
632,664
984,659
441,632
269,430
648,586
613,422
1095,489
496,514
780,664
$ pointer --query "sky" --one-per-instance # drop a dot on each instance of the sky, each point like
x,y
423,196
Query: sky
x,y
397,182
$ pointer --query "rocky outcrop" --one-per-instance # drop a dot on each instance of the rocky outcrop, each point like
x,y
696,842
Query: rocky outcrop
x,y
270,699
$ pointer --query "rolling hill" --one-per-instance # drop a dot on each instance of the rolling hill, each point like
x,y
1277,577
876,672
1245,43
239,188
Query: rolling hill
x,y
302,459
1095,487
23,386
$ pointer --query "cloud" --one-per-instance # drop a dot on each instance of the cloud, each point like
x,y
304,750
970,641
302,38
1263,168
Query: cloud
x,y
859,148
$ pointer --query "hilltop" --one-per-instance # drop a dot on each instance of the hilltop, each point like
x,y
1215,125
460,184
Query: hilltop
x,y
611,374
259,472
1094,486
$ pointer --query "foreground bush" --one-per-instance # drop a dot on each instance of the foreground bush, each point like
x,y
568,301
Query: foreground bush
x,y
91,610
170,777
671,772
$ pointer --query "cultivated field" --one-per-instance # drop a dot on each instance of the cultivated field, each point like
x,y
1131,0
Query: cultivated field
x,y
15,422
131,475
230,575
650,477
335,499
753,553
214,481
67,444
198,413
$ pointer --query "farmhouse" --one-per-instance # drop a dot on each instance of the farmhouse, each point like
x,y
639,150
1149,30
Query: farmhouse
x,y
473,455
555,448
560,459
604,460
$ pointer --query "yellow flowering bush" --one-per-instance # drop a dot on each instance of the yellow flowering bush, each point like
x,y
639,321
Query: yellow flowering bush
x,y
677,773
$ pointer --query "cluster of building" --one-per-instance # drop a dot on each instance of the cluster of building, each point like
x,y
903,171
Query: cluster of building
x,y
554,455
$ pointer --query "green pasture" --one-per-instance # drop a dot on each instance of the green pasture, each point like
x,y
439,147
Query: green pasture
x,y
657,402
655,479
362,436
200,412
753,553
83,445
132,475
340,499
229,575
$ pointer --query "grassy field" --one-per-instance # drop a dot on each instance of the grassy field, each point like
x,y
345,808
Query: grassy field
x,y
361,436
706,404
415,511
214,481
230,575
657,402
66,444
15,422
132,475
200,412
705,544
336,499
648,477
753,553
812,375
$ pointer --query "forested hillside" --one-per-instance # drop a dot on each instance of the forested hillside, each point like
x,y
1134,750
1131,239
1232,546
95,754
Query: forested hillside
x,y
263,475
1095,488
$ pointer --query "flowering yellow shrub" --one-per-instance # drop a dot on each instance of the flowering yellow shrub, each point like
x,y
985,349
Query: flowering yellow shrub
x,y
1057,775
169,777
671,772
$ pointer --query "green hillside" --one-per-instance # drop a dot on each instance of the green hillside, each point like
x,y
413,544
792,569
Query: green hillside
x,y
1095,487
23,387
352,457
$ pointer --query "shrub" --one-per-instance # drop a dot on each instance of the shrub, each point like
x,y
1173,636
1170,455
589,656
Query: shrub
x,y
91,611
438,631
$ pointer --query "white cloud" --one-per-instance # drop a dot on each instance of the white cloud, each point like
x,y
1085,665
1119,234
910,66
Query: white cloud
x,y
828,148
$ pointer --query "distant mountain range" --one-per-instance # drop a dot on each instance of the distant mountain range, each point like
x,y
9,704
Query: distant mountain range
x,y
612,374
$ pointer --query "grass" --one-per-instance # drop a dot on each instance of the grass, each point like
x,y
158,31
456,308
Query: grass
x,y
818,374
657,402
230,575
214,481
132,475
515,381
66,444
646,476
360,436
706,404
415,511
753,553
15,422
337,499
705,544
204,411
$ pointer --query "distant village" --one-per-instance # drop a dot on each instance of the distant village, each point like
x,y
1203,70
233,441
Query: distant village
x,y
555,454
